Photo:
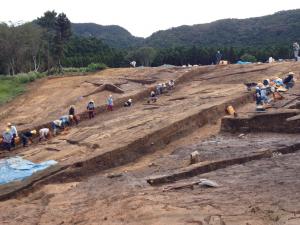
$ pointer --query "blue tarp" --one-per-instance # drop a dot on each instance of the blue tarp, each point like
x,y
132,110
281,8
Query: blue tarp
x,y
242,62
16,168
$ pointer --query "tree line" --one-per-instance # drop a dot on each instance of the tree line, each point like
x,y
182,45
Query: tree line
x,y
47,44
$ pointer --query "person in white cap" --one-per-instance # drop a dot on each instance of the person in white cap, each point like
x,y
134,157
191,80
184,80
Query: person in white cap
x,y
55,125
67,120
14,132
91,109
288,81
128,103
27,135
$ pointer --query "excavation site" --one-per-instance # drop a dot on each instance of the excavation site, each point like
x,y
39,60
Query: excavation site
x,y
200,151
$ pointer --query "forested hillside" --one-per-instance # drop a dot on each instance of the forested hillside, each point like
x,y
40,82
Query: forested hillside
x,y
114,36
51,43
279,28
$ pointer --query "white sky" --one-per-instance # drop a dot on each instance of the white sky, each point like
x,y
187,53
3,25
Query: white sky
x,y
143,17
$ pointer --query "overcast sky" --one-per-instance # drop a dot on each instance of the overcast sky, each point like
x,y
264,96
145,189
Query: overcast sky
x,y
143,17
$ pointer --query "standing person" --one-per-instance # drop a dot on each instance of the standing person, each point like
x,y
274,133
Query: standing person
x,y
110,103
258,94
296,49
14,132
72,113
7,139
171,84
91,109
27,135
218,57
44,134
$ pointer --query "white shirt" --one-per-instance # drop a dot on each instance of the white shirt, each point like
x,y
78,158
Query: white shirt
x,y
44,132
13,130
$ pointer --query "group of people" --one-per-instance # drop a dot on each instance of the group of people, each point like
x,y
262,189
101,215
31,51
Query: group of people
x,y
272,86
10,136
160,89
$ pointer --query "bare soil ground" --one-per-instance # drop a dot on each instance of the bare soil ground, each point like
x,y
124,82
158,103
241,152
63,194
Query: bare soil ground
x,y
152,140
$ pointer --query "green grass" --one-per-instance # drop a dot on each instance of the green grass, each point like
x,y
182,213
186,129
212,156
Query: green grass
x,y
12,86
93,67
9,89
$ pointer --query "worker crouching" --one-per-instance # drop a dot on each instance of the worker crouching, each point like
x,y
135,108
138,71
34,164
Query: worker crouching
x,y
45,134
14,132
7,139
72,113
27,136
56,125
128,103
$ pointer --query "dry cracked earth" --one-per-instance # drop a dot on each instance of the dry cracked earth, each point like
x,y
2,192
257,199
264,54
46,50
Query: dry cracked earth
x,y
110,158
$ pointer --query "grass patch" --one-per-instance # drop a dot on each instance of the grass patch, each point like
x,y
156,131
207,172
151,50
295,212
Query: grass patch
x,y
93,67
10,89
12,86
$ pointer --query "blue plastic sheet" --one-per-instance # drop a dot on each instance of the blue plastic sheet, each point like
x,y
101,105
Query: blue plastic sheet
x,y
16,168
243,63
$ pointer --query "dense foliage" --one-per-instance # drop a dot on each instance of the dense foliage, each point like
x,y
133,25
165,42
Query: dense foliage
x,y
114,36
82,51
47,44
281,28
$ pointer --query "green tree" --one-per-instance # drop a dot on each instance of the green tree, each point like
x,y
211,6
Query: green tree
x,y
248,58
62,36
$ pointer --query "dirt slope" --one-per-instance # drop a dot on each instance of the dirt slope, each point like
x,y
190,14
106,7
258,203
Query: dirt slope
x,y
257,192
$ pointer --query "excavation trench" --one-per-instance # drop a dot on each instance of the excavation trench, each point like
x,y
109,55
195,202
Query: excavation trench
x,y
206,167
118,103
129,153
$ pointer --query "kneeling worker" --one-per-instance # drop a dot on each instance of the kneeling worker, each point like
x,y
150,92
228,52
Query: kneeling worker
x,y
67,120
56,124
44,134
14,132
128,103
27,135
72,113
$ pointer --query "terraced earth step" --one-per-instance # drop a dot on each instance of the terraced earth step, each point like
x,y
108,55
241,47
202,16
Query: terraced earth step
x,y
205,167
